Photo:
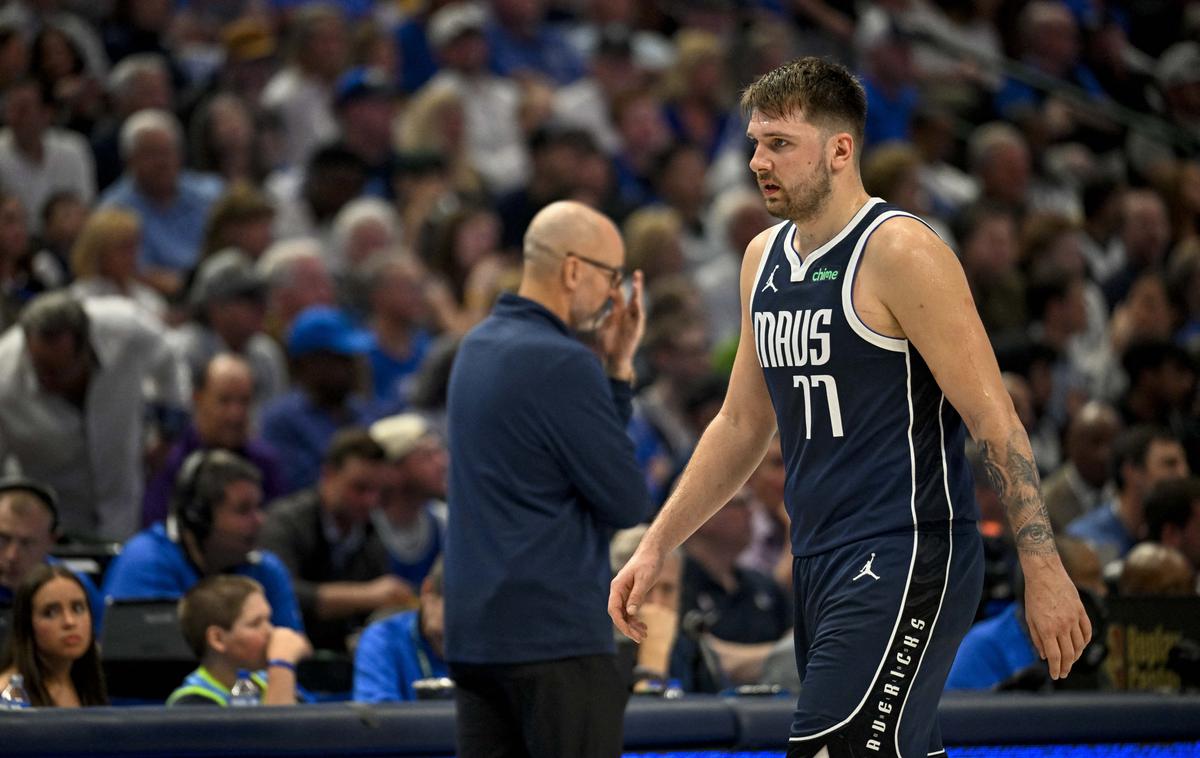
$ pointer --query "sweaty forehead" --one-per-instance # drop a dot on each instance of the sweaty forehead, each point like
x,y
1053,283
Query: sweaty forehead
x,y
762,122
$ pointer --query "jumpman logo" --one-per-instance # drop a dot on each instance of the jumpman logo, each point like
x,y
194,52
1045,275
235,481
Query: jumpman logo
x,y
771,281
866,570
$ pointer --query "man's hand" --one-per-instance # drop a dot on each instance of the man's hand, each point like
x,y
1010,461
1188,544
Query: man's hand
x,y
622,331
629,588
1058,625
390,591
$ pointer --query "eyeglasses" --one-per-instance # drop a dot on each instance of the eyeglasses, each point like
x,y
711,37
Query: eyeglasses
x,y
616,274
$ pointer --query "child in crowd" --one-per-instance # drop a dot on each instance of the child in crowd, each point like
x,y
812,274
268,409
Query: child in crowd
x,y
226,620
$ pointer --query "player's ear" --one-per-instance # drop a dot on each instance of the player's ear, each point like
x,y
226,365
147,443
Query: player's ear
x,y
841,150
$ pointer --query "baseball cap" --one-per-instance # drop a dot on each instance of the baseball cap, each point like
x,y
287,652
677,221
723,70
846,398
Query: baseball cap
x,y
324,328
1180,64
398,435
453,21
227,275
360,83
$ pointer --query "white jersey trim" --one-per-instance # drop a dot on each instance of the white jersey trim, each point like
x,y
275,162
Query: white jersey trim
x,y
762,263
949,558
894,344
912,562
800,269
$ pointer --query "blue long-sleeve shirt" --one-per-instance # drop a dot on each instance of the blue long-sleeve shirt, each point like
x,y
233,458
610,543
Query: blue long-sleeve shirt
x,y
541,473
993,650
153,566
390,656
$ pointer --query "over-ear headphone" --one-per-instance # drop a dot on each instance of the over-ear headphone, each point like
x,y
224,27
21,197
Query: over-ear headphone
x,y
43,492
191,510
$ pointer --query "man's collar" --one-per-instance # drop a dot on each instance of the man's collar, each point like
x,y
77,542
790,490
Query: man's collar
x,y
512,304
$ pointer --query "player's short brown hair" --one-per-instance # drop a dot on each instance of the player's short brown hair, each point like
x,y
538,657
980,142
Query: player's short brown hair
x,y
824,93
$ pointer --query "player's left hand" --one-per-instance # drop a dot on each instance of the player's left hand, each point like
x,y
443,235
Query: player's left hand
x,y
622,331
1058,625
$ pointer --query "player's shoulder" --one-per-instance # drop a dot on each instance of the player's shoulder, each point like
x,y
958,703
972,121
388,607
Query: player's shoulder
x,y
903,241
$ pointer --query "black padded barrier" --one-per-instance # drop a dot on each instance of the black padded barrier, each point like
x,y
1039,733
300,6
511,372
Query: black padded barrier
x,y
427,728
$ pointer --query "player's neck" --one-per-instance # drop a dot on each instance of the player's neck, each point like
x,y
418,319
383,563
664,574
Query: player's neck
x,y
814,232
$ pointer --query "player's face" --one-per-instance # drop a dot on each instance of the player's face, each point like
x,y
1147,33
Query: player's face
x,y
790,165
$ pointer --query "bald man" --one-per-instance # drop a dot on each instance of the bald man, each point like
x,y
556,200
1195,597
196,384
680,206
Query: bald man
x,y
221,400
1085,481
541,475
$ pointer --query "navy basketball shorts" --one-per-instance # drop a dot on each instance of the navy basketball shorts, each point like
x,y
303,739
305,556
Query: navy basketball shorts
x,y
878,623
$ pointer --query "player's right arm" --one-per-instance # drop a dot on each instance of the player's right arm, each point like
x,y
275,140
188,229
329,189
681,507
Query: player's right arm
x,y
728,452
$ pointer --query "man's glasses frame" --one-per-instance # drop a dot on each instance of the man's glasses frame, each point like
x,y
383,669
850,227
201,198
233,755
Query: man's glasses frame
x,y
616,274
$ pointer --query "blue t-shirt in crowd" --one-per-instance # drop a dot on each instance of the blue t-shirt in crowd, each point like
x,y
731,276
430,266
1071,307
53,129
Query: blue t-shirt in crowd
x,y
545,52
390,375
172,234
888,115
992,651
1101,528
391,655
418,63
153,566
300,432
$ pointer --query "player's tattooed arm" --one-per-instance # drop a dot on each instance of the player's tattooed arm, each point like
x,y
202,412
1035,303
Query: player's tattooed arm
x,y
1012,474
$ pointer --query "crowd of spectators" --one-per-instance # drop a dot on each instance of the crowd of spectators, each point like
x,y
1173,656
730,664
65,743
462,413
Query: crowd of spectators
x,y
241,240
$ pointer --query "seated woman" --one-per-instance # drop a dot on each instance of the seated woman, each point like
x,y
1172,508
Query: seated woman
x,y
226,620
51,645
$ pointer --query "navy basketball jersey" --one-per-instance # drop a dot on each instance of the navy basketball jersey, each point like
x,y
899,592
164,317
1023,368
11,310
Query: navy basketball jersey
x,y
870,442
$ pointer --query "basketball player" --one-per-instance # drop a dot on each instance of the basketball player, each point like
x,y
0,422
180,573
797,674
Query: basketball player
x,y
859,333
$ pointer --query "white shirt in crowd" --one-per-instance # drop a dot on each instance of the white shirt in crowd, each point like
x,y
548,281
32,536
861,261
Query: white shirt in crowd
x,y
92,456
66,165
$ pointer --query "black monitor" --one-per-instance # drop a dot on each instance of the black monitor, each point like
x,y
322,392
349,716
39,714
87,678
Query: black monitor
x,y
143,651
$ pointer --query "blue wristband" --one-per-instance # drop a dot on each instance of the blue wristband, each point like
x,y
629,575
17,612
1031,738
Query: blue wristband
x,y
281,664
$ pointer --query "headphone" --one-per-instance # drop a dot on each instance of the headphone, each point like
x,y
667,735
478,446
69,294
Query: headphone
x,y
43,492
191,511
